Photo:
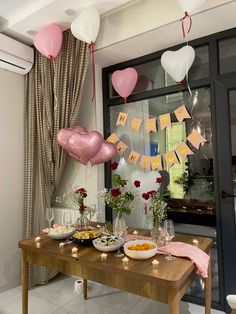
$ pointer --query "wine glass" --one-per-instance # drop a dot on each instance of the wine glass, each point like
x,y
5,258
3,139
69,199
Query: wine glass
x,y
49,216
119,231
67,218
169,235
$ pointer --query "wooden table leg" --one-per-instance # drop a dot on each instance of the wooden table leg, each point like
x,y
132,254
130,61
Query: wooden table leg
x,y
173,301
24,282
85,288
208,289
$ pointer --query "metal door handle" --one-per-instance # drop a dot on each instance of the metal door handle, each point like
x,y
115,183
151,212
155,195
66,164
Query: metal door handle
x,y
225,194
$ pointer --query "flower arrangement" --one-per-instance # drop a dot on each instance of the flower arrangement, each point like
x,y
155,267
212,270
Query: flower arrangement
x,y
75,197
157,206
118,199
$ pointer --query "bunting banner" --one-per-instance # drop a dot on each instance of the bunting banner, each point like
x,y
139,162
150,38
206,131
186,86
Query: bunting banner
x,y
151,125
183,151
196,139
145,162
121,147
136,124
165,121
156,163
113,138
181,113
133,157
122,118
171,158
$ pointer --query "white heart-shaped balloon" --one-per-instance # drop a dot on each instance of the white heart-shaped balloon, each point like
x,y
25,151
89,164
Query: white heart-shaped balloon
x,y
177,63
147,179
86,26
190,6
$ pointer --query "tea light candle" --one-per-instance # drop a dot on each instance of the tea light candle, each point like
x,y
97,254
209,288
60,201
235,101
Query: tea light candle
x,y
37,239
74,250
135,232
155,263
61,245
195,242
125,261
103,257
38,244
98,226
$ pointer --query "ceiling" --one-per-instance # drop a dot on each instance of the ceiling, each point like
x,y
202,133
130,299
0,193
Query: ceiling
x,y
22,19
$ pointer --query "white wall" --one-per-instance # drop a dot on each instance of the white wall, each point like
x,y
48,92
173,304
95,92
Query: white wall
x,y
12,176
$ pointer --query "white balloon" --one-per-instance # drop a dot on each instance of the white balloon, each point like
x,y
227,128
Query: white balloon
x,y
190,6
147,179
177,63
86,26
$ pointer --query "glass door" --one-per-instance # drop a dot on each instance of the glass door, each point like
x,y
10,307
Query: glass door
x,y
225,140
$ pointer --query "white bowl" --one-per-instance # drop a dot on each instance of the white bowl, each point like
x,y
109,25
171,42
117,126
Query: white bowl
x,y
140,255
61,236
108,248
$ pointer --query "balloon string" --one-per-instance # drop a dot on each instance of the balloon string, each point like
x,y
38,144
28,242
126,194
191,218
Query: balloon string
x,y
54,85
190,23
91,47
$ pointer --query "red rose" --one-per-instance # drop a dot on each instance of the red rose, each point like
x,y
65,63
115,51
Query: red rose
x,y
137,183
159,180
151,193
80,190
113,165
115,192
145,196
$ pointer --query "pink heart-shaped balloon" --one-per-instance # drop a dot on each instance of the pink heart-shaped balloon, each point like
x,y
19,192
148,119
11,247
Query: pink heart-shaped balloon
x,y
63,136
106,152
48,41
85,145
124,81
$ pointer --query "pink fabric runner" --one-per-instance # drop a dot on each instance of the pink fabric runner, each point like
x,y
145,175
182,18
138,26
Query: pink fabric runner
x,y
197,256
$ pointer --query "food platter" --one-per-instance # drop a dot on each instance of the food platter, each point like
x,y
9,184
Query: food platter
x,y
140,249
108,243
61,232
86,238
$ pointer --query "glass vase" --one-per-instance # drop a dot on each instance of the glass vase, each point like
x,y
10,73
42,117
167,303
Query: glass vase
x,y
119,226
82,223
157,234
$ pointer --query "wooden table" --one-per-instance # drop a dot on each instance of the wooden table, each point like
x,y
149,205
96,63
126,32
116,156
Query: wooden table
x,y
167,284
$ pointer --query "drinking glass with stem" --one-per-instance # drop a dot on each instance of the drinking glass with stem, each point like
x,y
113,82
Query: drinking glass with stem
x,y
169,235
67,218
49,217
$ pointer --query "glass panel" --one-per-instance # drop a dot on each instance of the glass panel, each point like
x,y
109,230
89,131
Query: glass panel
x,y
152,75
232,100
227,52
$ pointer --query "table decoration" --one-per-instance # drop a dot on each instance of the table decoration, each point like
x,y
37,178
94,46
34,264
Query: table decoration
x,y
125,261
195,242
155,264
103,257
120,201
135,232
37,239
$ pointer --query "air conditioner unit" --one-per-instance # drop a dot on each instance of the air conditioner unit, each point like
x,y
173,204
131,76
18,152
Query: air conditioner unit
x,y
15,56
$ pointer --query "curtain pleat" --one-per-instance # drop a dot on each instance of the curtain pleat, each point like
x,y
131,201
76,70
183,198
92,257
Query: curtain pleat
x,y
53,96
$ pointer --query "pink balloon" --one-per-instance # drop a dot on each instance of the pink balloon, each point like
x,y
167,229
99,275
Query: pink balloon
x,y
106,152
85,145
63,136
142,84
124,81
48,41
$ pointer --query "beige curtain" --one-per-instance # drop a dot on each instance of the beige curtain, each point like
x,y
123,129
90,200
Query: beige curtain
x,y
53,98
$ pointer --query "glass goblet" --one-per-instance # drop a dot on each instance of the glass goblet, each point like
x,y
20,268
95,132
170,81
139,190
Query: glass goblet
x,y
169,235
49,216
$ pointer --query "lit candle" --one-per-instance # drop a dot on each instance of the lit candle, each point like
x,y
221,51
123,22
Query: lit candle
x,y
98,226
155,263
195,242
37,239
135,232
125,261
38,244
103,257
61,245
74,250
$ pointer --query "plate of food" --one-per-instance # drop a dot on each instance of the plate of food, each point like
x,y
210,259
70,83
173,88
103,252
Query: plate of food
x,y
86,237
108,243
140,249
61,232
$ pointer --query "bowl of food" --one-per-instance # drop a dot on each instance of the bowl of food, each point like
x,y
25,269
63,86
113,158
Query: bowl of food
x,y
61,232
108,243
140,249
86,237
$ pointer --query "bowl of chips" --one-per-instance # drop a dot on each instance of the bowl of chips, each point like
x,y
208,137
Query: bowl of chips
x,y
140,249
86,237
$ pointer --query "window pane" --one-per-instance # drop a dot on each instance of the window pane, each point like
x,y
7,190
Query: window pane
x,y
227,52
151,75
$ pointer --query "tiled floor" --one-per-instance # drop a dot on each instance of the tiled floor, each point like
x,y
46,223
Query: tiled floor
x,y
58,297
